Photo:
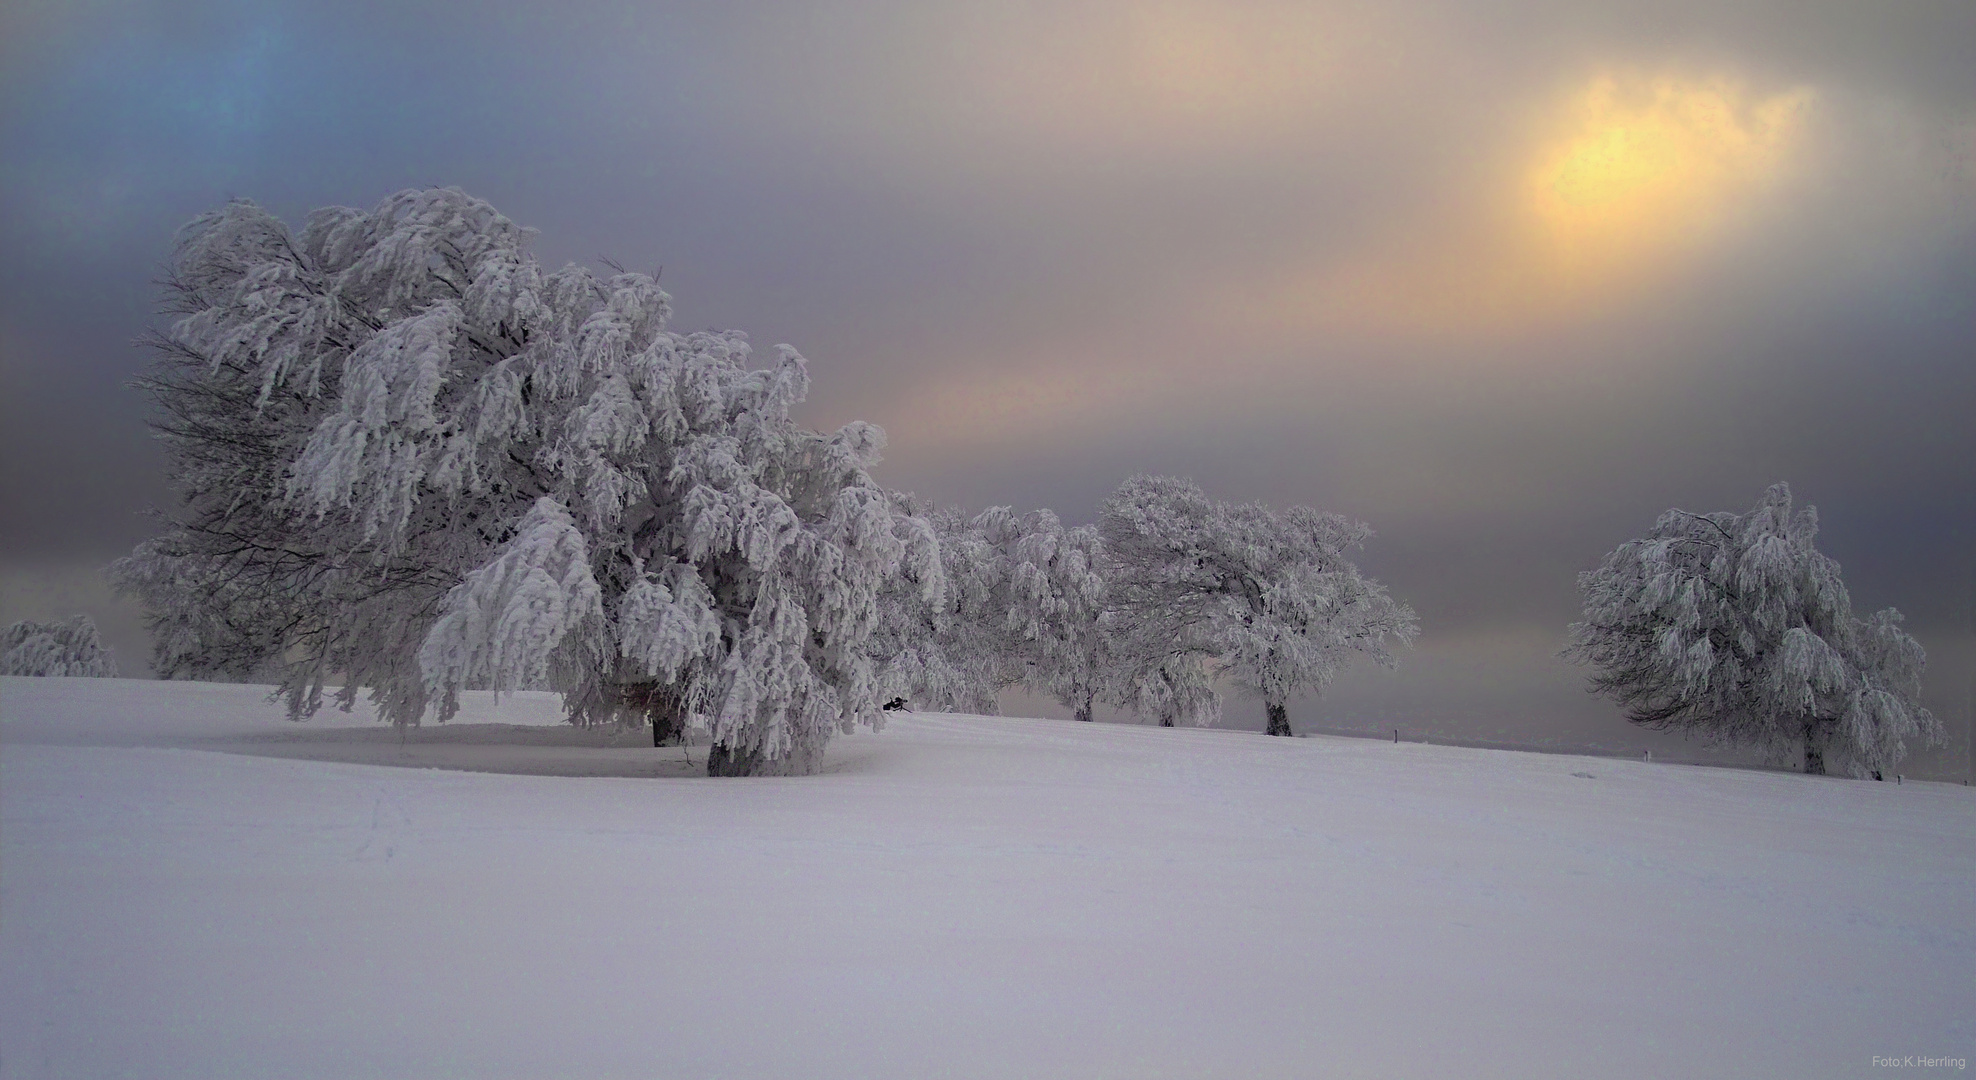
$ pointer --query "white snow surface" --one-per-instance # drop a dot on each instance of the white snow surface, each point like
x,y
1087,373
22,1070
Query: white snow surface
x,y
957,896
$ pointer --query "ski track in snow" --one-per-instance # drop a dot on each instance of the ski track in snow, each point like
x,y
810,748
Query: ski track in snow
x,y
955,896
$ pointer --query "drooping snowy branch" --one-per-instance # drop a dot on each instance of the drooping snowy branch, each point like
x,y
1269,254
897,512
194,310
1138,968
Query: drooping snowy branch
x,y
941,641
500,627
1170,681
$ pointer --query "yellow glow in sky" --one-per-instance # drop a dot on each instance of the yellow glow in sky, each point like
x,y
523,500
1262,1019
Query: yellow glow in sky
x,y
1634,175
1648,166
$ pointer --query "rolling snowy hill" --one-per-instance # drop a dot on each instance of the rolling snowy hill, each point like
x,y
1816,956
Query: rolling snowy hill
x,y
955,896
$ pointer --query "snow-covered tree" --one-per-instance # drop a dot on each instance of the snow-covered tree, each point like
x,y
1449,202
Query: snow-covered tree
x,y
1027,603
1273,596
1736,628
1058,612
411,457
69,649
950,650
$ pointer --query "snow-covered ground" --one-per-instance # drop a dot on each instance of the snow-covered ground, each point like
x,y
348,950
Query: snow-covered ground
x,y
956,896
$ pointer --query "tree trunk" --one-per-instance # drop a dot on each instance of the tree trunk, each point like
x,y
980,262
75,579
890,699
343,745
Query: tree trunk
x,y
1814,749
661,705
1279,719
723,760
1084,712
1166,720
801,760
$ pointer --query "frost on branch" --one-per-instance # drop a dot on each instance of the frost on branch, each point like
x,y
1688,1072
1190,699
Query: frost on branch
x,y
69,649
669,620
1736,628
413,460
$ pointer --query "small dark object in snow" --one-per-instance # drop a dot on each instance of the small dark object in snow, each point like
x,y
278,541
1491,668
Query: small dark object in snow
x,y
1586,775
895,705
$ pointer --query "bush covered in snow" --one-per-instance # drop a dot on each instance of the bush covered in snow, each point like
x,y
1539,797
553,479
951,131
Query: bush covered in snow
x,y
70,649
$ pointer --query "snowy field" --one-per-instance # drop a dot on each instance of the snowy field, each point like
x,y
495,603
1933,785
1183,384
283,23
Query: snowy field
x,y
956,897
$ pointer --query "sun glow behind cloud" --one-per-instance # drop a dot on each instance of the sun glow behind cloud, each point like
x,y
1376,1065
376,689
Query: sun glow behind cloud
x,y
1651,167
1631,177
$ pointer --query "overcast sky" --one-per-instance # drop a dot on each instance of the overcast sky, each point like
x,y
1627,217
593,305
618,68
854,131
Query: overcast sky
x,y
1504,280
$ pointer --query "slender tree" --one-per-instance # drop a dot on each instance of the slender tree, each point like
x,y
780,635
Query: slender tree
x,y
1736,628
1272,595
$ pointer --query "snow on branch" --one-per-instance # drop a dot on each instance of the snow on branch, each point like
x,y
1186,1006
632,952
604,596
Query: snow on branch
x,y
502,624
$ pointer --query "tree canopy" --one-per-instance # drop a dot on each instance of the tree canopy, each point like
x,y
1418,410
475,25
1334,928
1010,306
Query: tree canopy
x,y
1272,596
1736,628
412,458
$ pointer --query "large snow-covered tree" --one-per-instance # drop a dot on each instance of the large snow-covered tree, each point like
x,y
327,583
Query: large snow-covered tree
x,y
414,460
1274,596
69,649
1736,628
